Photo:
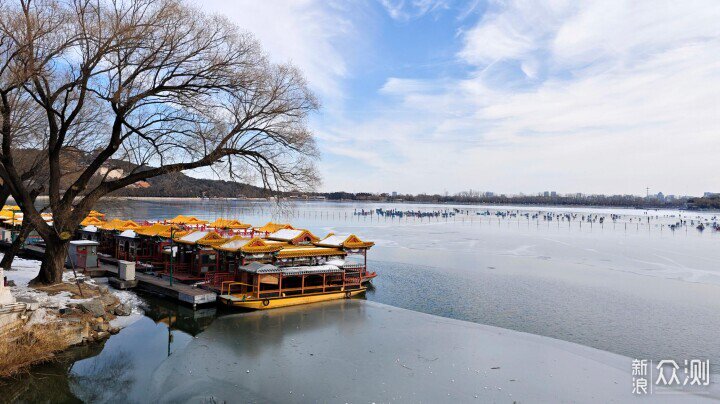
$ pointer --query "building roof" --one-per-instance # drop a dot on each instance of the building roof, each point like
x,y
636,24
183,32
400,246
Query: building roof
x,y
118,224
91,220
90,229
346,242
296,252
158,230
292,236
229,224
253,245
313,269
259,268
271,227
128,234
190,220
201,237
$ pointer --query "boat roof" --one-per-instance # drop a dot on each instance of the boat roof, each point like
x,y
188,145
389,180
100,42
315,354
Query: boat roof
x,y
292,235
260,268
118,224
128,234
294,252
229,224
182,219
350,241
271,227
202,237
158,229
250,245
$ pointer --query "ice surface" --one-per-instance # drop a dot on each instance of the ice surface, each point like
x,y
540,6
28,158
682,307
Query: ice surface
x,y
358,351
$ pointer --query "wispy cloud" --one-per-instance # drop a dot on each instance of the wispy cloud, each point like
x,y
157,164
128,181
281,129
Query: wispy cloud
x,y
408,9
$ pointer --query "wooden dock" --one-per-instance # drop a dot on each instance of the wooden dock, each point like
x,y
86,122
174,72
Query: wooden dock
x,y
178,291
108,267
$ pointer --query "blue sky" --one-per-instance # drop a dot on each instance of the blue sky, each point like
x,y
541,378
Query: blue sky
x,y
506,96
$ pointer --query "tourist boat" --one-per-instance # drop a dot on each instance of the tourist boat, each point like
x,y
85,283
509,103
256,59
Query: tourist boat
x,y
266,286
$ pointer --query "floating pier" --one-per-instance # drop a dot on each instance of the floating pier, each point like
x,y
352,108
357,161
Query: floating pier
x,y
177,291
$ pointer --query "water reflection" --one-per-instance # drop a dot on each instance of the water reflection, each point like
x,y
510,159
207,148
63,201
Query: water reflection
x,y
105,380
49,381
117,370
242,355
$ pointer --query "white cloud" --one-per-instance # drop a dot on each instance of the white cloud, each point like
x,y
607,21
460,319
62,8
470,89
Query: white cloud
x,y
621,95
307,33
404,10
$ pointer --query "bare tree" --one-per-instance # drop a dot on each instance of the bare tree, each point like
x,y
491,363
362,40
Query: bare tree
x,y
150,82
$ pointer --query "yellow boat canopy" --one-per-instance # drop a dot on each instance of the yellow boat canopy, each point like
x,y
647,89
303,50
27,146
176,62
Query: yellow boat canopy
x,y
158,230
229,224
91,221
293,236
188,220
350,242
7,214
11,207
255,245
203,238
95,213
121,225
296,252
271,227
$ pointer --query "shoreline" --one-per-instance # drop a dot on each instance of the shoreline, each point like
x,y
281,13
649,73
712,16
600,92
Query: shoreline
x,y
53,319
503,205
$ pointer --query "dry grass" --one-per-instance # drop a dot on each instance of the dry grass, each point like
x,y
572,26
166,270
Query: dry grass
x,y
69,287
22,347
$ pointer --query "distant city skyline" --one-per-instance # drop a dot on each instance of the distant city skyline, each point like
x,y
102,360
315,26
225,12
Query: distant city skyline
x,y
425,96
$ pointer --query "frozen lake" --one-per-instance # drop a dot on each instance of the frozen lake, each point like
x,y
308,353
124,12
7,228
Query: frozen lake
x,y
631,285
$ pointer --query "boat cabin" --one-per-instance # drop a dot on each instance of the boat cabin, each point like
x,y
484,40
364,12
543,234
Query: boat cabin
x,y
354,248
195,256
264,286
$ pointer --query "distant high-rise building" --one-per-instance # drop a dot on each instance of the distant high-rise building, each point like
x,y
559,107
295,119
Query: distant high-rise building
x,y
553,194
546,193
711,194
394,194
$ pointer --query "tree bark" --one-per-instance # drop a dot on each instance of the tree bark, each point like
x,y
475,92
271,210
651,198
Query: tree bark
x,y
53,264
10,254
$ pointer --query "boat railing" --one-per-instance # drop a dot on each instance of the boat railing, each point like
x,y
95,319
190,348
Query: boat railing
x,y
350,283
216,278
230,284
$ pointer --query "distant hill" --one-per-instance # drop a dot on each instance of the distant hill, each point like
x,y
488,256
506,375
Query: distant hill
x,y
169,185
180,185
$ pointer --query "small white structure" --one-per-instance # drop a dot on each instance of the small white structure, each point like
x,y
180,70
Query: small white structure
x,y
83,253
5,296
126,270
6,235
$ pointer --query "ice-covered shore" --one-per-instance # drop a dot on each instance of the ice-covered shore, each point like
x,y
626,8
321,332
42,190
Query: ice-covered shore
x,y
24,270
360,351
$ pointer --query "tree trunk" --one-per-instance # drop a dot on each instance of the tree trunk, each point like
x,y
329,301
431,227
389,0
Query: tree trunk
x,y
53,263
10,254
